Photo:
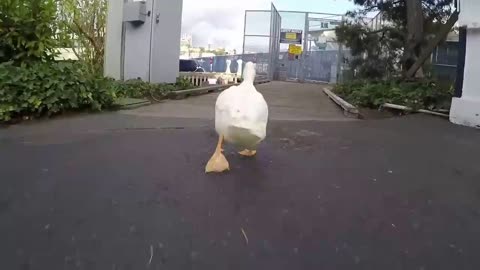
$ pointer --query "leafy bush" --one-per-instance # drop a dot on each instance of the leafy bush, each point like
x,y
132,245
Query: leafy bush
x,y
51,88
82,28
417,95
27,30
141,89
183,84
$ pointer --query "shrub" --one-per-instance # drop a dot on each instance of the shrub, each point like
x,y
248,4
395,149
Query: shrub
x,y
183,84
141,89
82,28
27,30
51,88
417,94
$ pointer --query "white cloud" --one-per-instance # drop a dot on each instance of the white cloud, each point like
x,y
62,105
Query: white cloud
x,y
218,22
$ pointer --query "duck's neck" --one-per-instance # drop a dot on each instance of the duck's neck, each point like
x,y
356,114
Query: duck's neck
x,y
249,78
248,83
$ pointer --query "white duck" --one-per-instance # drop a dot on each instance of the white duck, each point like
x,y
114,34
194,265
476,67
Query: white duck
x,y
241,116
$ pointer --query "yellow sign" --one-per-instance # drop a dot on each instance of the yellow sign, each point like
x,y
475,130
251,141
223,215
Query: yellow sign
x,y
294,49
291,36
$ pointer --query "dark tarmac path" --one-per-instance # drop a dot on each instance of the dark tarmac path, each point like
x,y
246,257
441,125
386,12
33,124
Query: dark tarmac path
x,y
127,191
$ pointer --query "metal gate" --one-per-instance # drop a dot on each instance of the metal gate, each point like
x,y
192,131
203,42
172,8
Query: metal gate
x,y
261,40
322,55
275,25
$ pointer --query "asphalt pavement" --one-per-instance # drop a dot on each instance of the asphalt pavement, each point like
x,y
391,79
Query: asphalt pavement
x,y
128,191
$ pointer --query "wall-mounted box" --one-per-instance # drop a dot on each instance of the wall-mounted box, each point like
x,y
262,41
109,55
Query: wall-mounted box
x,y
135,12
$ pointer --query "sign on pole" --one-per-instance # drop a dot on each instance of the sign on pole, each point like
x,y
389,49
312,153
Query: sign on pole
x,y
294,49
291,36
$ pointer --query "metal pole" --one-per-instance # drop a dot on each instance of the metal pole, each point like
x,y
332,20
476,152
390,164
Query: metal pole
x,y
154,11
270,47
319,13
122,53
305,48
244,33
339,77
276,23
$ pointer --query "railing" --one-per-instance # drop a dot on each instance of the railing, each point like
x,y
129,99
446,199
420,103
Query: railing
x,y
209,78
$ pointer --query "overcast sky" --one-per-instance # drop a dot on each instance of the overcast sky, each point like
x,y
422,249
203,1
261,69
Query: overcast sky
x,y
220,22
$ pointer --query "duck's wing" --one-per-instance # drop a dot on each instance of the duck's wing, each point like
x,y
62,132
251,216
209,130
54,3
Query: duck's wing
x,y
222,109
225,98
259,107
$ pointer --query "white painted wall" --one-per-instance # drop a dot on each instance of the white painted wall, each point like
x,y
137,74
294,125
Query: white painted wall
x,y
471,82
466,110
166,41
137,47
149,51
113,40
469,13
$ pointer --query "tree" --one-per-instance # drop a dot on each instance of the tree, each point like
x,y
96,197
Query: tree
x,y
27,31
412,30
84,25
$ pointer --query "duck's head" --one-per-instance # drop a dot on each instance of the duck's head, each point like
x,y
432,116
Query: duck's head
x,y
249,72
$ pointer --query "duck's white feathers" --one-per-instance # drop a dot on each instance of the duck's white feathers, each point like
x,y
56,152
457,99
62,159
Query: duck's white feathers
x,y
241,115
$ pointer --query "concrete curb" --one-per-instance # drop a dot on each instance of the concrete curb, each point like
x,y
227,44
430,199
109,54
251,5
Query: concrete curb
x,y
130,103
348,109
205,90
408,109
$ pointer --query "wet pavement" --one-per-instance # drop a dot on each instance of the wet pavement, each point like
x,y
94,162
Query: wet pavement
x,y
127,191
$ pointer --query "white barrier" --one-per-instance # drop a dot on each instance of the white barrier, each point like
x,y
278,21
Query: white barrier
x,y
209,78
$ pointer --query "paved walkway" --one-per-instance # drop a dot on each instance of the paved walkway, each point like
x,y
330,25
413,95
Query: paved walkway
x,y
126,191
287,101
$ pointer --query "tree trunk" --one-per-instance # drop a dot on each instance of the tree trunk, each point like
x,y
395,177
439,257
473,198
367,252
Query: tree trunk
x,y
442,33
415,32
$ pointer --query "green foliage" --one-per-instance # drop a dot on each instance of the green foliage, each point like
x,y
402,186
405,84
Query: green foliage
x,y
383,51
83,28
183,84
27,29
141,89
374,55
417,95
51,88
156,91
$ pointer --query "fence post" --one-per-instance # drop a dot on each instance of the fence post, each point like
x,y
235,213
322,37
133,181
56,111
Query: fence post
x,y
340,61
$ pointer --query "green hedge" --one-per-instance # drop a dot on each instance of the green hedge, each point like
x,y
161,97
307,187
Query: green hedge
x,y
141,89
417,94
28,30
54,87
51,88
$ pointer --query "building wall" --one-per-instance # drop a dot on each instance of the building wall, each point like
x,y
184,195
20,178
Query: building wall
x,y
113,40
166,41
149,50
469,10
465,109
137,47
471,81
